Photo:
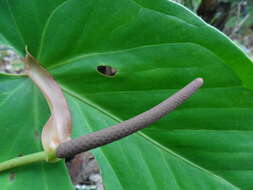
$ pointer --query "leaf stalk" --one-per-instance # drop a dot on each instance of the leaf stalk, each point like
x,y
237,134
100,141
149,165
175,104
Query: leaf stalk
x,y
24,160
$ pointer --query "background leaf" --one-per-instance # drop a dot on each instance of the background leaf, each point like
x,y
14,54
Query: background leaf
x,y
157,47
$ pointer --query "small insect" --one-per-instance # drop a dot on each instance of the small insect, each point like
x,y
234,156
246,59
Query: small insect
x,y
10,61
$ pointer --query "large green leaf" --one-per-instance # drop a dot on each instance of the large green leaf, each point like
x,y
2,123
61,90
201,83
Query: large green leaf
x,y
157,46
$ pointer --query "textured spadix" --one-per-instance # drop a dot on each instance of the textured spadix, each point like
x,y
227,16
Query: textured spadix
x,y
128,127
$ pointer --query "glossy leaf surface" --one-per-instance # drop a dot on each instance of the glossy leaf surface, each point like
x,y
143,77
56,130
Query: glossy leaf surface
x,y
157,47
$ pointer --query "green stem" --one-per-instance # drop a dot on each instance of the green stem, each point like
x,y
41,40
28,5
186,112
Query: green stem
x,y
24,160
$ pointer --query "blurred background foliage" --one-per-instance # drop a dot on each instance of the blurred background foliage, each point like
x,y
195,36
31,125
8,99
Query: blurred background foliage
x,y
232,17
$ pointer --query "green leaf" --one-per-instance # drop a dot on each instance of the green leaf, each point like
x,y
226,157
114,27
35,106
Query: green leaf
x,y
157,46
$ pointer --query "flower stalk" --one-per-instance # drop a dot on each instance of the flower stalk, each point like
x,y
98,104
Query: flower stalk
x,y
23,160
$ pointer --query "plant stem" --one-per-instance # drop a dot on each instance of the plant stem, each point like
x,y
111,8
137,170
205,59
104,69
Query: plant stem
x,y
24,160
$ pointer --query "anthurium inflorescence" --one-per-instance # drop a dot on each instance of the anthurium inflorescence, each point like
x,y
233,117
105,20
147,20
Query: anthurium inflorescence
x,y
56,134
